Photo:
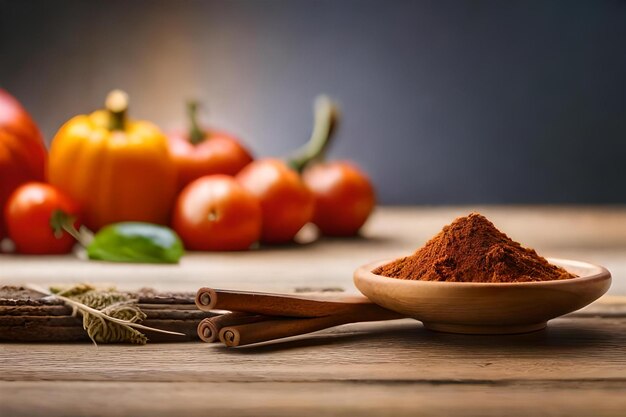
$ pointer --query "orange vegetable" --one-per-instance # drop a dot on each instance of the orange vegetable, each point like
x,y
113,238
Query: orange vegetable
x,y
117,169
199,152
22,151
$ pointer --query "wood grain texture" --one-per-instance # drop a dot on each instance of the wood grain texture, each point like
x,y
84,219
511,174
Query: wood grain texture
x,y
350,398
27,316
576,367
570,349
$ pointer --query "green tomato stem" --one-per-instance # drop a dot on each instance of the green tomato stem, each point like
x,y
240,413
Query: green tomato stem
x,y
326,119
196,134
61,221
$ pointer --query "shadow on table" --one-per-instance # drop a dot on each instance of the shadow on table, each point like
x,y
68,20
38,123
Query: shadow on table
x,y
560,336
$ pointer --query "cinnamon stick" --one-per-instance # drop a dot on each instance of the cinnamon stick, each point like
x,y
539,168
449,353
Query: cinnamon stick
x,y
246,334
209,329
317,305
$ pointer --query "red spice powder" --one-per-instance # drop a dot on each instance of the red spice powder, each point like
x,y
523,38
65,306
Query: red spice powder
x,y
471,249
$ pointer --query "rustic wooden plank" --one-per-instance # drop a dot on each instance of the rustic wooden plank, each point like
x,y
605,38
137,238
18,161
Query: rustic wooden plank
x,y
70,329
70,399
570,349
35,310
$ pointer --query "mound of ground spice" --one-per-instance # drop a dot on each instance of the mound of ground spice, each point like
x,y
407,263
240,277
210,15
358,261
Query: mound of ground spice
x,y
472,249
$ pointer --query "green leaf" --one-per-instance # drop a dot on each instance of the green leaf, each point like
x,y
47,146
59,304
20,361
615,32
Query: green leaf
x,y
136,242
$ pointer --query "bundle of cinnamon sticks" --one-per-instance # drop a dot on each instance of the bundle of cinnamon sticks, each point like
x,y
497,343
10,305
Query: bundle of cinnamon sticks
x,y
255,317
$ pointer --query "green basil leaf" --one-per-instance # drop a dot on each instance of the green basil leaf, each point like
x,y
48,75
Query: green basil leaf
x,y
136,242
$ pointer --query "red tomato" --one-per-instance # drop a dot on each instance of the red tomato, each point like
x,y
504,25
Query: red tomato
x,y
216,213
286,201
218,153
28,214
22,151
14,119
199,152
344,197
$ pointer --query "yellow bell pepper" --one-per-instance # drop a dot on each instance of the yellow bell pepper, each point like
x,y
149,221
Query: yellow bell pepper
x,y
117,169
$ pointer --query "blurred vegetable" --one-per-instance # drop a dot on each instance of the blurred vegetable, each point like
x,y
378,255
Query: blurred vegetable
x,y
116,168
22,151
344,197
216,213
286,202
199,152
135,242
29,213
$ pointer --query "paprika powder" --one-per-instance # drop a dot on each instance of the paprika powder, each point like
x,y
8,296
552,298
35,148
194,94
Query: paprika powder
x,y
472,249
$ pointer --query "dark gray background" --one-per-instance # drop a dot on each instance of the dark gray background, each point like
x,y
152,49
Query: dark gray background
x,y
444,101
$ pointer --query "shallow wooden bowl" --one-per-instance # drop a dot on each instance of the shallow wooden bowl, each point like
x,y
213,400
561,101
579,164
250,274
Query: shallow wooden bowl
x,y
485,308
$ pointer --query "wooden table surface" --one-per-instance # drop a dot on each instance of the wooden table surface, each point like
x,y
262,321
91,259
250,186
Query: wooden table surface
x,y
575,367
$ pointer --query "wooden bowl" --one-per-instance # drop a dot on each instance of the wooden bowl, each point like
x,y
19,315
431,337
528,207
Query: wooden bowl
x,y
485,308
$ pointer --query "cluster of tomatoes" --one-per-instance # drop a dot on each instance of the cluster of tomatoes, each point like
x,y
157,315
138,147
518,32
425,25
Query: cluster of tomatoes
x,y
105,168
